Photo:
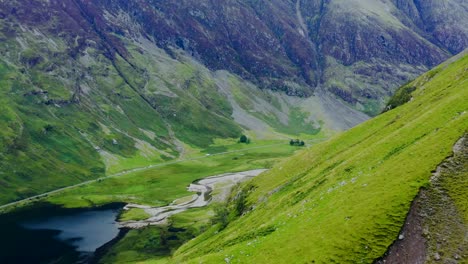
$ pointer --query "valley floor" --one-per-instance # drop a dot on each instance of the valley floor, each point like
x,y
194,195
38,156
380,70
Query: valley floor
x,y
251,153
214,188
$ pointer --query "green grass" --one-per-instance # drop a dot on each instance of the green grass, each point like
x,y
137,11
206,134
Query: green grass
x,y
197,101
345,200
402,96
134,214
297,123
34,159
144,243
225,145
161,185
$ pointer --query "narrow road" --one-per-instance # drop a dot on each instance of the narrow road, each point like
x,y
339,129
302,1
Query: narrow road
x,y
126,172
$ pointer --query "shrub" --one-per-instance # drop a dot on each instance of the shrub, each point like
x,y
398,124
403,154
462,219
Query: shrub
x,y
244,139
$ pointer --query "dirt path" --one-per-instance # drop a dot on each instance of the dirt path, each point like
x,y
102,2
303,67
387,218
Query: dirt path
x,y
434,230
204,189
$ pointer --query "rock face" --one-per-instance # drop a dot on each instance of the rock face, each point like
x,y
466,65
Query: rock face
x,y
442,22
359,50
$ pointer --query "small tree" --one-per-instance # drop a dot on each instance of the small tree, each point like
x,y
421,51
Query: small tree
x,y
241,203
244,139
221,215
297,142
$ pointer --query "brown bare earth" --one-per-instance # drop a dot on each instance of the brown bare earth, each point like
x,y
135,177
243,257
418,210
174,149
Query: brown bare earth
x,y
436,228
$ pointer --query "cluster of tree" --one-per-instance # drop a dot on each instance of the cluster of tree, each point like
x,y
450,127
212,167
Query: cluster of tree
x,y
297,142
244,139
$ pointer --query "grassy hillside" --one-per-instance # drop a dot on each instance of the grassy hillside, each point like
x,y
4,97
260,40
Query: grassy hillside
x,y
66,118
345,200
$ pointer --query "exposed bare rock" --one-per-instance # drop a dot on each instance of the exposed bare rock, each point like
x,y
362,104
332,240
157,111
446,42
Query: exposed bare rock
x,y
436,228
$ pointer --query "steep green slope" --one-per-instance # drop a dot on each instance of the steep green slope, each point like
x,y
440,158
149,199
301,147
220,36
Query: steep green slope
x,y
345,200
437,223
34,145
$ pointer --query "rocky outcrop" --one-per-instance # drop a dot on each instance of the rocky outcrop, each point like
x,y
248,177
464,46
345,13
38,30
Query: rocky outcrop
x,y
310,43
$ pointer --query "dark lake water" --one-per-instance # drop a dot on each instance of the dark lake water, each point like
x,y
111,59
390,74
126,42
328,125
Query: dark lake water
x,y
54,235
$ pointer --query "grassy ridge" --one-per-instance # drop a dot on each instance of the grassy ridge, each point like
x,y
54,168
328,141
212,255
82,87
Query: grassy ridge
x,y
345,200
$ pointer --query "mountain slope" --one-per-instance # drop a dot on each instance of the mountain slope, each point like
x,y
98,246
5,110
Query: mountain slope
x,y
345,200
294,46
79,101
95,87
357,50
59,131
73,108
